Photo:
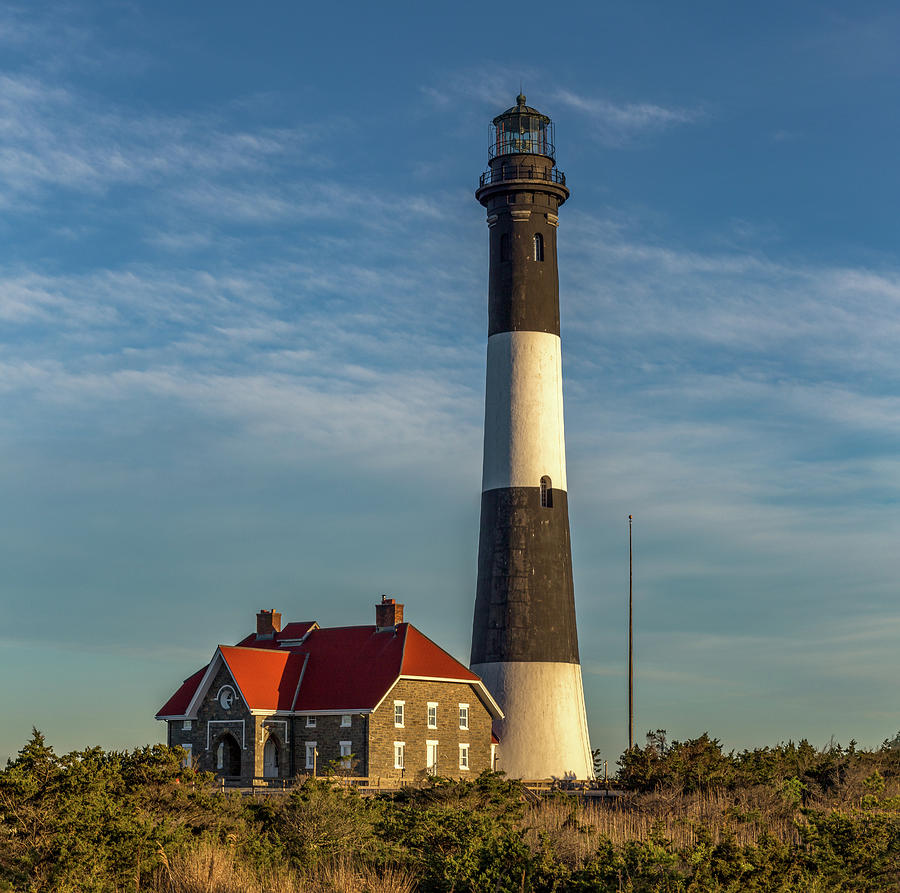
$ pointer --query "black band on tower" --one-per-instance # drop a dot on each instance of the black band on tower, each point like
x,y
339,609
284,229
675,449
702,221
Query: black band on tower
x,y
525,601
523,294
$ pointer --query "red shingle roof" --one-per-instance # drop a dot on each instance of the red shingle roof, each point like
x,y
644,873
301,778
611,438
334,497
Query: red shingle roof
x,y
421,657
178,703
350,667
291,632
339,669
267,678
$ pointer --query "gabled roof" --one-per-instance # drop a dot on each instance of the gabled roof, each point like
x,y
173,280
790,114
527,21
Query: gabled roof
x,y
423,658
350,668
267,678
178,703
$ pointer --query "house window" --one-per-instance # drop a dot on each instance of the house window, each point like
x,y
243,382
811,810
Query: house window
x,y
310,722
493,758
431,757
186,725
504,246
398,714
432,714
187,758
464,716
399,754
345,720
546,493
345,754
538,246
463,756
311,755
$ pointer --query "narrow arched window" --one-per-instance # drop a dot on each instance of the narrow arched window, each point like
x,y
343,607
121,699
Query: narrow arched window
x,y
504,246
538,246
546,493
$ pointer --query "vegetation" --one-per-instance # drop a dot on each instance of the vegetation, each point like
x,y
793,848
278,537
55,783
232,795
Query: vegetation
x,y
690,818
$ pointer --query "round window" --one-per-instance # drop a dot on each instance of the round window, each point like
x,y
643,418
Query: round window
x,y
226,697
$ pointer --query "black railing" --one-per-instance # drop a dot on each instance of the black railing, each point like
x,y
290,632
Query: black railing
x,y
504,172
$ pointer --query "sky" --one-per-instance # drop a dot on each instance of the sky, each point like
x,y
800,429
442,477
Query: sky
x,y
243,310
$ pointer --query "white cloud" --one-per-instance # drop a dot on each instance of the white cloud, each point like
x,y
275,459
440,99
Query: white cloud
x,y
619,123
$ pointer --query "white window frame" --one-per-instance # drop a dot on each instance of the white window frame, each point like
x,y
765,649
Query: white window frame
x,y
310,752
186,725
310,722
493,757
400,755
346,720
464,716
432,706
402,714
345,757
188,760
464,757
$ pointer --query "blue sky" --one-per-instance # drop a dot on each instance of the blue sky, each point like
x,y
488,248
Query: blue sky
x,y
243,329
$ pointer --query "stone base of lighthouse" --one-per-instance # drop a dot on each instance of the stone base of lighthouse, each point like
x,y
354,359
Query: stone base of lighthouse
x,y
544,734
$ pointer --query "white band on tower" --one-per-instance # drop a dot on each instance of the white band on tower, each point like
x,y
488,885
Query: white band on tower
x,y
524,437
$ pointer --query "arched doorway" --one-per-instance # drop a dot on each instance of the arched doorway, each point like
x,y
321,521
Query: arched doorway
x,y
271,757
228,756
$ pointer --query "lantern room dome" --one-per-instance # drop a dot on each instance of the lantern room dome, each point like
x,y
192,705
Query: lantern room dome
x,y
522,130
521,109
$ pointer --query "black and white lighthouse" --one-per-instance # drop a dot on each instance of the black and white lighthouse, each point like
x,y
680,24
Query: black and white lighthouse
x,y
524,641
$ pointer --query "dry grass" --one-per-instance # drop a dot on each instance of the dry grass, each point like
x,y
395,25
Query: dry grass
x,y
343,877
576,829
214,868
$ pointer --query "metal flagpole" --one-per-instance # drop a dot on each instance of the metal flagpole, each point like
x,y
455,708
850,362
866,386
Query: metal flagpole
x,y
630,644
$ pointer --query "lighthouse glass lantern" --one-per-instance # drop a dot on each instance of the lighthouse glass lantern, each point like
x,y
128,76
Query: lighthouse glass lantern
x,y
521,130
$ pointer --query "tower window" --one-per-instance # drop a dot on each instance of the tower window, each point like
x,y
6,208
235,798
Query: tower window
x,y
504,246
538,246
546,493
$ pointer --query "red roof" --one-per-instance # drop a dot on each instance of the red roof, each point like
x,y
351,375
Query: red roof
x,y
350,667
421,657
339,669
267,679
178,703
291,632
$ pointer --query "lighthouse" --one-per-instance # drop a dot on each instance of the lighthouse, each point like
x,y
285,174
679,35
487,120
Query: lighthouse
x,y
524,641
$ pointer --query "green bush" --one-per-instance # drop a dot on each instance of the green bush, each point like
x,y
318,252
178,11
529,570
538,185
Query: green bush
x,y
109,821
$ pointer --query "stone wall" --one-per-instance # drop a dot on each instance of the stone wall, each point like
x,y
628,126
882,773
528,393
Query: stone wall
x,y
213,721
328,734
415,731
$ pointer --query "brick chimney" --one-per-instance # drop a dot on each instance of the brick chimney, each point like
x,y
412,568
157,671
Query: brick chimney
x,y
267,624
388,614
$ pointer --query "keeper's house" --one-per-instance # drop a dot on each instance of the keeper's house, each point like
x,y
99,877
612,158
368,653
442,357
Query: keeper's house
x,y
379,700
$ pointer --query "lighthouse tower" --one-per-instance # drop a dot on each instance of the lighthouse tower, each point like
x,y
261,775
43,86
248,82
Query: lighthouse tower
x,y
524,641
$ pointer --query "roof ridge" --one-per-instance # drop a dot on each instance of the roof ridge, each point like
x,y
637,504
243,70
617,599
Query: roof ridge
x,y
260,650
403,650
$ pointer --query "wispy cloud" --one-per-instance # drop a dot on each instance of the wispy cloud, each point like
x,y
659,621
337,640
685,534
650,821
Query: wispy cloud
x,y
619,123
57,138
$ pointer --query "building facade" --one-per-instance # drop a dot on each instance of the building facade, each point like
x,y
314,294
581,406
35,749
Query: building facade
x,y
382,701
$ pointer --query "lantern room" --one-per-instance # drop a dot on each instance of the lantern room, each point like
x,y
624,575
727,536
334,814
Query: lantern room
x,y
521,130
